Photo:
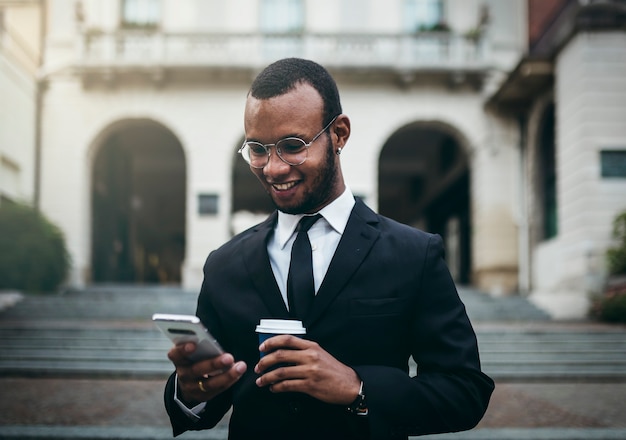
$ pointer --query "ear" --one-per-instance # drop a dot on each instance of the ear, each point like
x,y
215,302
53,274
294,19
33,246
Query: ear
x,y
341,131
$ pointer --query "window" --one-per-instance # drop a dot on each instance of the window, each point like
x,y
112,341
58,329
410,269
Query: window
x,y
423,15
613,163
282,16
141,13
548,178
208,204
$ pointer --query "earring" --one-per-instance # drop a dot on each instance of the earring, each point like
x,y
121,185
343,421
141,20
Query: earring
x,y
338,151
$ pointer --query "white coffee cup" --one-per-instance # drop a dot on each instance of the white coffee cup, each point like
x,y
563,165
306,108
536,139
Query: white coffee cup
x,y
274,327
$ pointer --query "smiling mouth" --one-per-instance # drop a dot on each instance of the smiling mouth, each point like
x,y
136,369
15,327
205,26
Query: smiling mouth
x,y
283,186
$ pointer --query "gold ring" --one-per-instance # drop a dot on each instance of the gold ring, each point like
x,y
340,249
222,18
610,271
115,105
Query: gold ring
x,y
201,386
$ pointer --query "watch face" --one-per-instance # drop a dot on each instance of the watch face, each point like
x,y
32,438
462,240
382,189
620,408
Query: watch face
x,y
361,408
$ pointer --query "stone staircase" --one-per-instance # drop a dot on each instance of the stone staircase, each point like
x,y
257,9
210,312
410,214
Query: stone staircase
x,y
107,332
151,433
107,303
507,355
103,331
553,354
510,309
83,352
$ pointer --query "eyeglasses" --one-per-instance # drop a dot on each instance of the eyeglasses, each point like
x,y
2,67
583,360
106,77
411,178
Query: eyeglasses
x,y
291,150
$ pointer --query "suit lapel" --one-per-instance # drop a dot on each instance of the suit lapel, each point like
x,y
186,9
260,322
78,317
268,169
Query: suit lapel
x,y
357,240
257,262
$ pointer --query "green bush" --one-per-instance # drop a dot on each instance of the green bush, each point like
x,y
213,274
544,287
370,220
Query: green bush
x,y
33,256
611,307
616,256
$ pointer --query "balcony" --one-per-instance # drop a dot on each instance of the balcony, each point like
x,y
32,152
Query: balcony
x,y
404,55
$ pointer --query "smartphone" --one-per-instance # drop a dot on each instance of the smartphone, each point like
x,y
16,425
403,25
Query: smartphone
x,y
188,328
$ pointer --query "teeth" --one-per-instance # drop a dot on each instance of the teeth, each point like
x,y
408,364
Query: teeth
x,y
284,186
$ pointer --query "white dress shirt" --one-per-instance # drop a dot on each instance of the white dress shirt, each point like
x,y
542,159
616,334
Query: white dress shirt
x,y
324,236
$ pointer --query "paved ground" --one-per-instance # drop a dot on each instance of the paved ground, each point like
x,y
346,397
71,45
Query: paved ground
x,y
44,406
122,402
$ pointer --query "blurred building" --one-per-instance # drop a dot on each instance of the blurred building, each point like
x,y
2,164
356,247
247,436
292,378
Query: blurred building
x,y
20,58
567,97
497,124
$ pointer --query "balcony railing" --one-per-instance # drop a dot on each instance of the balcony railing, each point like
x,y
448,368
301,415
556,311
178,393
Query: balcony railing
x,y
418,51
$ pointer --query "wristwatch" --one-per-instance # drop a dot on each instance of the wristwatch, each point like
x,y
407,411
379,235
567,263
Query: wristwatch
x,y
359,406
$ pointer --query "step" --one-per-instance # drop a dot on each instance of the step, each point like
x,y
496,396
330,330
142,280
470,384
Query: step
x,y
142,352
152,433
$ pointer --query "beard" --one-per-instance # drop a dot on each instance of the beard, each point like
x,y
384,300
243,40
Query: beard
x,y
321,190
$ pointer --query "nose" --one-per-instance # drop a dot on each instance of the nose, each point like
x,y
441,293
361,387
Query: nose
x,y
275,165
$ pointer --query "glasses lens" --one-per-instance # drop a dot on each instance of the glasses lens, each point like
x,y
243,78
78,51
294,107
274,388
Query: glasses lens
x,y
292,150
255,154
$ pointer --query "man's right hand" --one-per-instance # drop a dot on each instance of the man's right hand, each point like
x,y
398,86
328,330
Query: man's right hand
x,y
203,380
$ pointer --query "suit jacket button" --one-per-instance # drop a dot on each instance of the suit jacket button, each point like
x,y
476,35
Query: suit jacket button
x,y
294,407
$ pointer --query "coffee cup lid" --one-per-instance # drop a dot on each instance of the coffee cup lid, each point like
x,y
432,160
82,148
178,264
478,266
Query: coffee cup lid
x,y
281,326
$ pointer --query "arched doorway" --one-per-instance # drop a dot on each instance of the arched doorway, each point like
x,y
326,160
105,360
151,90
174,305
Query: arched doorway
x,y
138,205
423,181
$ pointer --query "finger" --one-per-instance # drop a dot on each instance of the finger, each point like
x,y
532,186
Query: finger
x,y
284,341
282,373
190,381
191,372
279,358
179,354
213,366
291,386
299,352
213,385
221,381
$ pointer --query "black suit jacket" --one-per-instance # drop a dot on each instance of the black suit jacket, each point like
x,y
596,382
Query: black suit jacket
x,y
387,295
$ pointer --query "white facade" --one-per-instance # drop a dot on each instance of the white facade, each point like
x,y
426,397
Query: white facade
x,y
19,61
425,146
91,88
590,76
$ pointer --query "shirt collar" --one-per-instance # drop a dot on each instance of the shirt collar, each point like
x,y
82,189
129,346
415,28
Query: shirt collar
x,y
336,214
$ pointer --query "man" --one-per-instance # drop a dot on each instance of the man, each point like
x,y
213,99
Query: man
x,y
382,294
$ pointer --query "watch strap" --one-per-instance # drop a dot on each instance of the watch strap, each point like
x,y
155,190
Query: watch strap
x,y
359,406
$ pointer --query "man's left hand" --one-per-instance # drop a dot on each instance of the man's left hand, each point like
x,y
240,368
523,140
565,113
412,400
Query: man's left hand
x,y
305,367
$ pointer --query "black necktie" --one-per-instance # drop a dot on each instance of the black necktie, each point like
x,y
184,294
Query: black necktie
x,y
300,285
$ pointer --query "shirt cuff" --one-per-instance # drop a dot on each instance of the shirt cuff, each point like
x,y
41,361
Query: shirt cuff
x,y
192,413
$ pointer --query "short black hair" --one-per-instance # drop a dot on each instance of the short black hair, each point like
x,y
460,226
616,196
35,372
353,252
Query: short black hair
x,y
284,75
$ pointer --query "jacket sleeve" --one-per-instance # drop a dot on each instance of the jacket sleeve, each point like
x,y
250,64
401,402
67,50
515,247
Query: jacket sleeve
x,y
450,392
209,417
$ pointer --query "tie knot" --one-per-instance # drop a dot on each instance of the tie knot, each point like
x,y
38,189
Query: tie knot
x,y
307,221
